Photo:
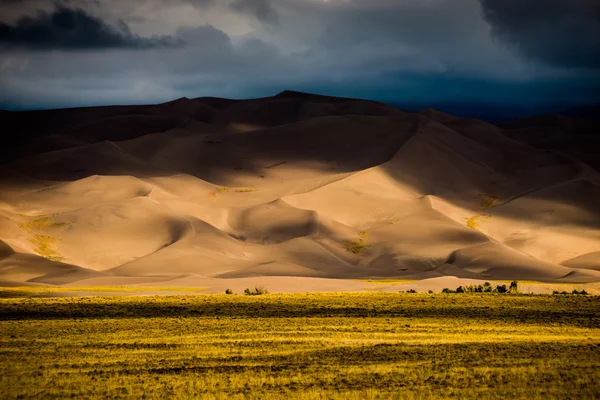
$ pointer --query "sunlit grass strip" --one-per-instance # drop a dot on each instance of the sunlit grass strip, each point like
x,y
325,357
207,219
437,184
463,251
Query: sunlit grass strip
x,y
26,290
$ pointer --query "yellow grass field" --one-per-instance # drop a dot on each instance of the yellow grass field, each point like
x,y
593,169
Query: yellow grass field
x,y
301,346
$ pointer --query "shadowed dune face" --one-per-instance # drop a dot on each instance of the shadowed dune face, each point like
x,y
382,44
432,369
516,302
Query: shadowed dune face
x,y
294,185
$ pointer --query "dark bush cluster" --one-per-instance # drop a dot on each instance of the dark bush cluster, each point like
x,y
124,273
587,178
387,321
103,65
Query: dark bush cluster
x,y
485,288
414,291
582,292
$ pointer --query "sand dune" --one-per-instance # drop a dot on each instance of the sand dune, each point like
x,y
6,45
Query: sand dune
x,y
18,268
301,188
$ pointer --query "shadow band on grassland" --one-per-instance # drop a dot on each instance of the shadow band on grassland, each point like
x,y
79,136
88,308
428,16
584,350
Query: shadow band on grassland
x,y
581,311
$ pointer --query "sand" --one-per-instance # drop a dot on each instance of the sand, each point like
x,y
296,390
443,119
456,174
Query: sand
x,y
296,193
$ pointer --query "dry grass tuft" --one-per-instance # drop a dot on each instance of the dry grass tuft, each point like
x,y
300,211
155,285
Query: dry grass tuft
x,y
247,189
475,221
44,244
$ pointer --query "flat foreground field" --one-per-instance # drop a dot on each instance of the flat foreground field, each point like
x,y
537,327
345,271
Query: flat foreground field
x,y
306,346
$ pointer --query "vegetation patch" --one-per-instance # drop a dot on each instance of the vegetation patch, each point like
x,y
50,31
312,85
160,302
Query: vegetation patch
x,y
257,291
485,288
219,191
488,201
582,292
246,189
475,221
44,244
356,246
42,223
302,346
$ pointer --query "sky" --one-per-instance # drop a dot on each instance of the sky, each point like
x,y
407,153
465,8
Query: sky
x,y
518,53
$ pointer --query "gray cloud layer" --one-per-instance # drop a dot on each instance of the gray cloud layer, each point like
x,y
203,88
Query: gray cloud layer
x,y
73,28
261,9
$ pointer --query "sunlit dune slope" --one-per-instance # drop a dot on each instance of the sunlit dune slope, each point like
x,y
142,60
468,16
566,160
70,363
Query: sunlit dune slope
x,y
294,185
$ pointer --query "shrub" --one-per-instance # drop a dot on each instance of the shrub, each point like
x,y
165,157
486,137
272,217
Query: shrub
x,y
355,246
574,291
501,289
487,287
411,291
582,292
514,287
430,291
228,291
257,291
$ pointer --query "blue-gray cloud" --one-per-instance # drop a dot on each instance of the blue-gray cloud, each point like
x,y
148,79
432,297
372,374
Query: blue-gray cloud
x,y
74,29
563,33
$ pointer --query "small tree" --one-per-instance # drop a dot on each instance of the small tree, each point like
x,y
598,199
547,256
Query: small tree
x,y
411,291
514,287
460,289
446,290
487,287
501,289
228,291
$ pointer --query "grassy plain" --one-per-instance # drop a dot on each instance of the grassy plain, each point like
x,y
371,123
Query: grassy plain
x,y
72,291
301,346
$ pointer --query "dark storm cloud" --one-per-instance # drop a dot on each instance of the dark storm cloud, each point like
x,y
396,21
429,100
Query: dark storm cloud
x,y
74,29
401,51
563,33
262,10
